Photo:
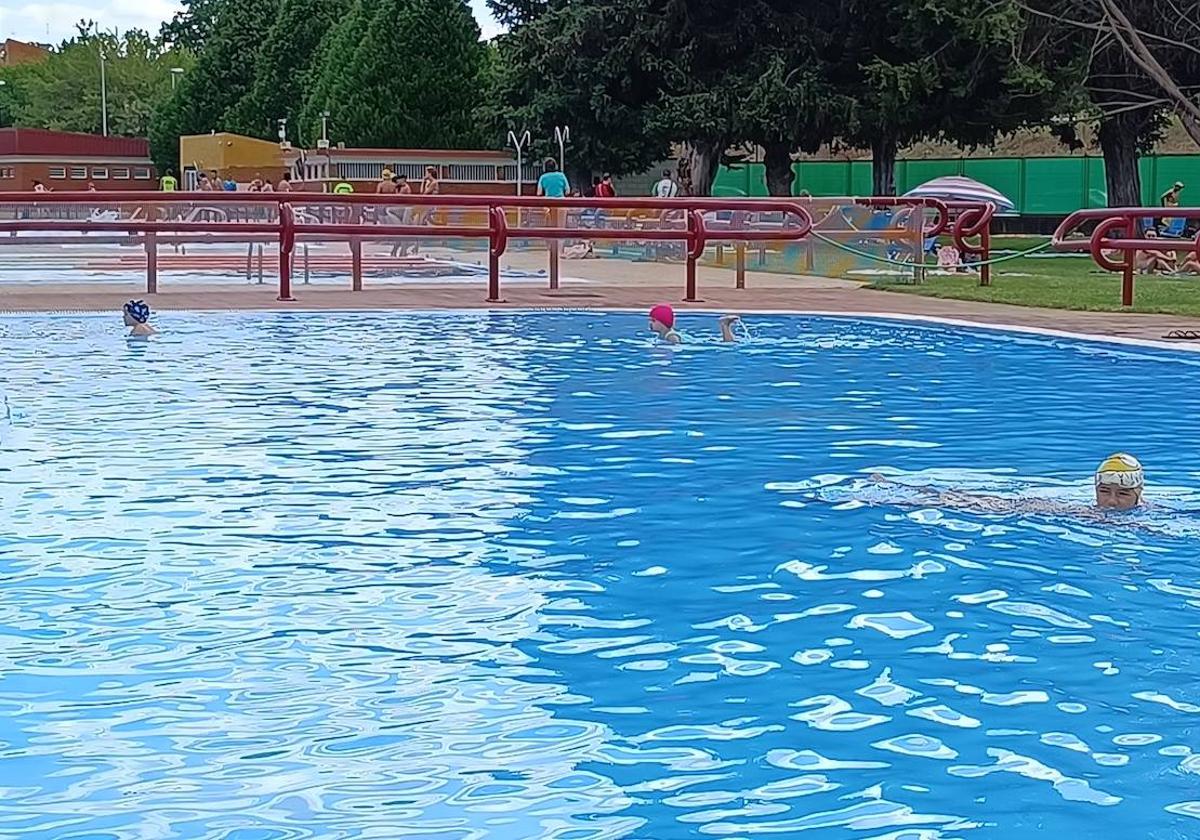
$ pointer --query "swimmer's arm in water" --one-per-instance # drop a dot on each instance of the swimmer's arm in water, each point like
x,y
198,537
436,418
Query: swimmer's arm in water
x,y
727,322
143,330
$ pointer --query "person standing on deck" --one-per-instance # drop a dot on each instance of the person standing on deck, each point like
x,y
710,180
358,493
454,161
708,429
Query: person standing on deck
x,y
285,183
552,184
667,187
606,188
168,182
386,185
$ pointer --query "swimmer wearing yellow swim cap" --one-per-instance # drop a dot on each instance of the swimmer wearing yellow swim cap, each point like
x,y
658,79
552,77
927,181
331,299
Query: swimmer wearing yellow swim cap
x,y
1119,483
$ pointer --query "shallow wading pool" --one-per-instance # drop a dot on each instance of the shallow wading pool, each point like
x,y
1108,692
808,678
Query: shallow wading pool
x,y
471,575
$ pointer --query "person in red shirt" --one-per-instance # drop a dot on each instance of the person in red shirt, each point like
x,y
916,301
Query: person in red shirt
x,y
605,188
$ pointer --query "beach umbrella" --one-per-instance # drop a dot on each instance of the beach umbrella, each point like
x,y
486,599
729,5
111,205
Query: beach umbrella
x,y
958,188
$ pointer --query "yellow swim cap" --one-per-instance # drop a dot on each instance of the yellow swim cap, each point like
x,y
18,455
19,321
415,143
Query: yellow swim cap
x,y
1121,470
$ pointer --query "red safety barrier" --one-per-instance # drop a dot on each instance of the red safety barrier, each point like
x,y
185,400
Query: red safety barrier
x,y
287,228
1129,224
974,219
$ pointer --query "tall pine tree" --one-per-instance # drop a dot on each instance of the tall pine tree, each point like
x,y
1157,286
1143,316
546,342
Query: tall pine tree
x,y
282,67
401,73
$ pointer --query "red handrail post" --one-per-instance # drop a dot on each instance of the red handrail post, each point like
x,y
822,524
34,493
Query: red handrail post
x,y
497,244
552,245
695,249
985,245
1127,279
151,242
287,241
356,254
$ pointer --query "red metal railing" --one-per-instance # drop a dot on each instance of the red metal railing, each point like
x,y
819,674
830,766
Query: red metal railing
x,y
680,220
1129,224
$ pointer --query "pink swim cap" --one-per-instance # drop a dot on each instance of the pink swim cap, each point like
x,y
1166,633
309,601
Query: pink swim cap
x,y
664,314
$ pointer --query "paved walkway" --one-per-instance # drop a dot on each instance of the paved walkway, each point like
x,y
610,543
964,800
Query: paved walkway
x,y
590,284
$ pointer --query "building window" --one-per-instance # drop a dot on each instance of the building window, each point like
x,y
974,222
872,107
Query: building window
x,y
141,174
58,173
6,172
79,173
99,173
120,173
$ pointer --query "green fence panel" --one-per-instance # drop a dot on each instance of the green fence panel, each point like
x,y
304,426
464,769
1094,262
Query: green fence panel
x,y
823,177
1147,167
1095,187
913,173
1053,185
860,177
731,181
1178,168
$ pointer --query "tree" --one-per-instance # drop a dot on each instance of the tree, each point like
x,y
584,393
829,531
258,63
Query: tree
x,y
585,66
282,67
63,92
1132,64
191,26
402,73
917,69
223,74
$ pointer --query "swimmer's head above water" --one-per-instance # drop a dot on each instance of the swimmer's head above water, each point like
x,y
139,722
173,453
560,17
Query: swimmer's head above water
x,y
137,316
136,312
662,323
1119,483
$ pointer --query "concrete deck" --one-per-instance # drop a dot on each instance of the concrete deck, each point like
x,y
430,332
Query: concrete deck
x,y
588,284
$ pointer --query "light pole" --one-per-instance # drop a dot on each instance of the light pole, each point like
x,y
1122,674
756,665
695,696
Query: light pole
x,y
562,134
176,72
282,131
324,130
103,96
519,143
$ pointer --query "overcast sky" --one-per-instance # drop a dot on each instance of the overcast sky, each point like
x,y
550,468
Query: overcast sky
x,y
26,20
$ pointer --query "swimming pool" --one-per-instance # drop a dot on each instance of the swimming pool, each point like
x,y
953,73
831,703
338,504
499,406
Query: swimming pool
x,y
472,575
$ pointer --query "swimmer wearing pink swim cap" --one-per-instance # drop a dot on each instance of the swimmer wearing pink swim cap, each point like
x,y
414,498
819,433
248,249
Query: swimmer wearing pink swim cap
x,y
662,324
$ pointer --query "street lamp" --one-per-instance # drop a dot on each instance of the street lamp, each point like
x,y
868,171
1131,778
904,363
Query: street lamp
x,y
519,143
103,95
176,72
563,135
324,142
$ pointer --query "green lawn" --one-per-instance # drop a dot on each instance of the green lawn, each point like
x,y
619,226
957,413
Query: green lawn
x,y
1058,283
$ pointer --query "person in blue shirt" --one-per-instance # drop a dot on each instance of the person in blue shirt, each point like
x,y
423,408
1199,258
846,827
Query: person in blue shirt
x,y
553,184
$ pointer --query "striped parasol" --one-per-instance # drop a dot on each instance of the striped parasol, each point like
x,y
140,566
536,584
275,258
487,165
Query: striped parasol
x,y
958,188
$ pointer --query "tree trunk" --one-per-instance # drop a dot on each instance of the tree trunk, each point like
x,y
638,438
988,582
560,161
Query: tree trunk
x,y
698,166
1118,141
883,165
779,169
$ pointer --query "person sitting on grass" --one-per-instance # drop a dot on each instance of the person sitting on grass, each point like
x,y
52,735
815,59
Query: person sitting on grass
x,y
1156,261
1189,263
137,316
662,324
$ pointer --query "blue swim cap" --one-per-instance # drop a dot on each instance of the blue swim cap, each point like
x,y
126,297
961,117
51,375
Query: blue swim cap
x,y
138,310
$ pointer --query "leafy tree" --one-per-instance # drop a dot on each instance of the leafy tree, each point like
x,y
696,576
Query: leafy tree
x,y
282,66
63,92
916,69
1131,64
192,25
402,73
585,66
223,74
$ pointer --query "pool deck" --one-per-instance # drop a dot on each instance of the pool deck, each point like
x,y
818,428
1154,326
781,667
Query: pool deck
x,y
592,284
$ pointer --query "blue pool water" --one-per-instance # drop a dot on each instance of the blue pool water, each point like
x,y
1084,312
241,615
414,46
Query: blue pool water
x,y
519,576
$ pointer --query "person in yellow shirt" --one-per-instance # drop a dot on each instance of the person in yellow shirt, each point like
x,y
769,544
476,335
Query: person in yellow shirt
x,y
168,182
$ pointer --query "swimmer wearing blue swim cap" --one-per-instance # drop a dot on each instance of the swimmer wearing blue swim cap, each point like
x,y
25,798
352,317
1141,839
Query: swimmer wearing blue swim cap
x,y
137,317
1119,483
